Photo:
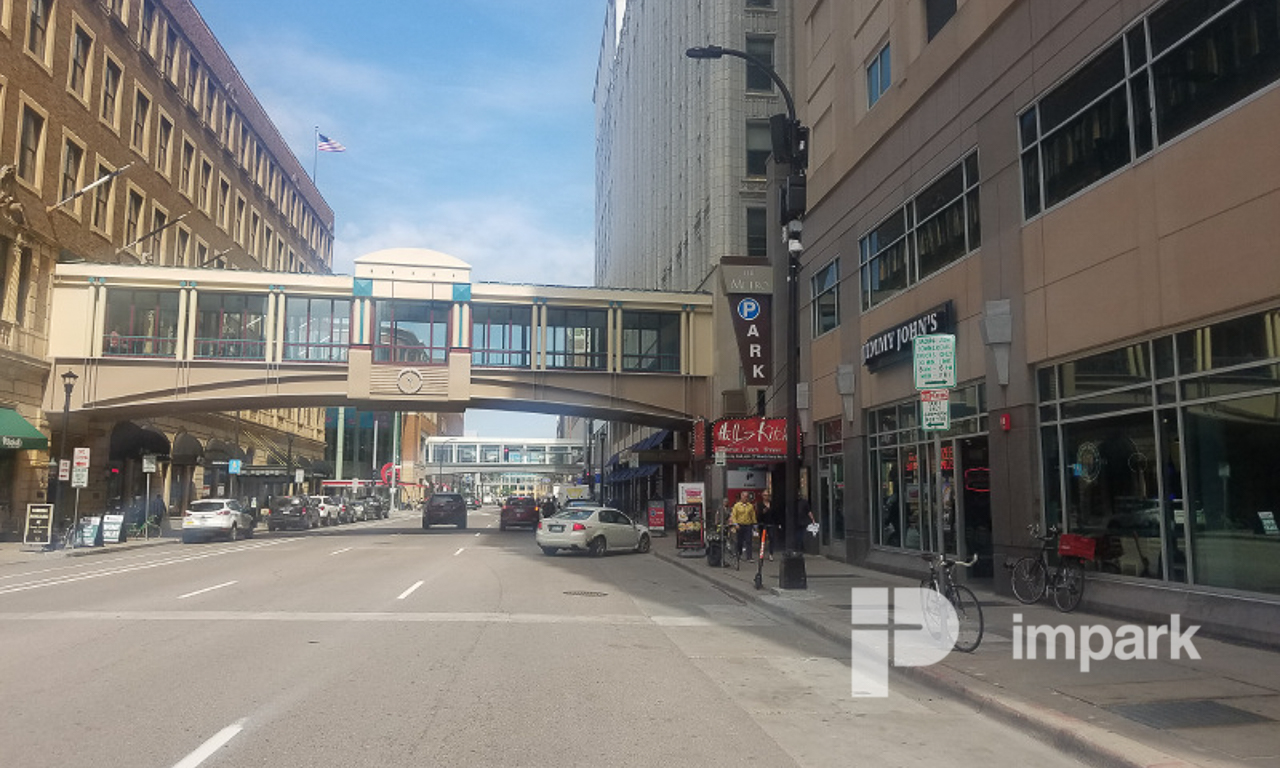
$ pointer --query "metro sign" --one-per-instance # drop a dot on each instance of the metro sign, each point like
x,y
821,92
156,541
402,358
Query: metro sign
x,y
753,328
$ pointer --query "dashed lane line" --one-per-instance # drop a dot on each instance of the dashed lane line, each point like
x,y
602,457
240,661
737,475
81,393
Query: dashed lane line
x,y
206,589
410,590
216,742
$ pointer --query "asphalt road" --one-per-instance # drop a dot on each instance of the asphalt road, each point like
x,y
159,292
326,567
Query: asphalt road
x,y
380,644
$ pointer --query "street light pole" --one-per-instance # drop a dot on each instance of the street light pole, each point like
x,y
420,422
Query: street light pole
x,y
790,146
68,384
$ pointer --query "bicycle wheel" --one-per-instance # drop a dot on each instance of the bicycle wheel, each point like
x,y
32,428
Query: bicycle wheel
x,y
969,631
732,557
931,608
1029,577
1068,584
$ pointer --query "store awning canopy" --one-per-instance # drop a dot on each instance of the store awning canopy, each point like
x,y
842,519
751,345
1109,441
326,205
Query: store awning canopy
x,y
16,433
130,441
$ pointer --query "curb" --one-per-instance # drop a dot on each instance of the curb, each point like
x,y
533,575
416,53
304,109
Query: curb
x,y
1070,735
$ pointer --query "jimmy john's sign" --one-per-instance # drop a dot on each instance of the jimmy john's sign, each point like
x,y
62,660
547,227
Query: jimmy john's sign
x,y
893,345
748,284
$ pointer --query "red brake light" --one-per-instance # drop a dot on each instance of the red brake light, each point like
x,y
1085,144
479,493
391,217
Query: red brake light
x,y
579,527
224,511
539,525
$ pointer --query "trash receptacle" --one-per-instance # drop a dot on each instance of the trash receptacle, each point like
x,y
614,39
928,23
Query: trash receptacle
x,y
714,553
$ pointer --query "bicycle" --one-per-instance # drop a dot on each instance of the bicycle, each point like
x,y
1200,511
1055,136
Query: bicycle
x,y
969,629
145,529
1031,577
730,556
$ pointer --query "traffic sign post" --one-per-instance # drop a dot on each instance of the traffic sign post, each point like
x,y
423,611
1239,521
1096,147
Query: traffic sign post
x,y
934,357
935,409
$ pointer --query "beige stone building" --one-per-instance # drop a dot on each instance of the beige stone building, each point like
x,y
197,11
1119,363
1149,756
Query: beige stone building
x,y
139,92
682,150
1084,193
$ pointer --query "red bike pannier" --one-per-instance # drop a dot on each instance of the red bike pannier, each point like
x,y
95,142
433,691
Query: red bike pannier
x,y
1072,545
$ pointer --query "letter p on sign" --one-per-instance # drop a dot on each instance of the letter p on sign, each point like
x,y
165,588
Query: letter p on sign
x,y
918,629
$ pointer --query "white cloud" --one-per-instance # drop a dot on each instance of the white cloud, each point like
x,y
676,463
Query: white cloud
x,y
502,240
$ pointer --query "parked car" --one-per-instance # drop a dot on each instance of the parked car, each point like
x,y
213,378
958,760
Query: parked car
x,y
594,529
220,518
292,512
374,507
472,501
444,508
328,508
345,514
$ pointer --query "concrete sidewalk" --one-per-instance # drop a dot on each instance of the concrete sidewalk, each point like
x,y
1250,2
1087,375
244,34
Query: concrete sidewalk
x,y
13,552
1221,710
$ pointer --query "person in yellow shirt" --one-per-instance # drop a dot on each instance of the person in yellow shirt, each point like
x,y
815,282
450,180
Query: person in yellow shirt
x,y
744,517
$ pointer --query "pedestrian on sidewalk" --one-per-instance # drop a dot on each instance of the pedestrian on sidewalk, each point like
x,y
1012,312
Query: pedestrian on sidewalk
x,y
744,517
768,518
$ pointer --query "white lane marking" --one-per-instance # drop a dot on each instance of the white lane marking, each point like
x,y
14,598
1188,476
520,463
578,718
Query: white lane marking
x,y
206,750
409,591
206,589
340,551
55,581
455,554
477,533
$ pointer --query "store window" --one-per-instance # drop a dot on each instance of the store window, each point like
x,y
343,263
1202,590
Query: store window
x,y
1171,468
830,491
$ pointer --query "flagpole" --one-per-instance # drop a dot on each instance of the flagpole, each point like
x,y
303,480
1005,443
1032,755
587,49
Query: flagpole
x,y
315,155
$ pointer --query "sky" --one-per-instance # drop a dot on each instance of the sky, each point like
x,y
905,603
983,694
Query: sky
x,y
469,128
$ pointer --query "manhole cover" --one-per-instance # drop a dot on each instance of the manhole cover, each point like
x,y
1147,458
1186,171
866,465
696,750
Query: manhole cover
x,y
585,593
1201,713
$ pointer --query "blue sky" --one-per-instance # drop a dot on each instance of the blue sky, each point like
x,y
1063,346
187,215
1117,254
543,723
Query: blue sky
x,y
469,129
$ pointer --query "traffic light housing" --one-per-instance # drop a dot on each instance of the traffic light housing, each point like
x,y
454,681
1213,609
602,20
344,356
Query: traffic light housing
x,y
793,197
790,141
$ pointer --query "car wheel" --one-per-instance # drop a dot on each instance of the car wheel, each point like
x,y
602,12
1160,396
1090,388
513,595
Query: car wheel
x,y
425,525
598,546
549,551
502,526
187,538
271,528
234,533
248,532
462,524
643,545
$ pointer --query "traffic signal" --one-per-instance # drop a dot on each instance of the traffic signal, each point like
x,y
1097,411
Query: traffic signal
x,y
793,198
790,141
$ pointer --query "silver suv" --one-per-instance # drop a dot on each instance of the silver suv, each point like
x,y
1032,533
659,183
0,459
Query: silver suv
x,y
216,518
329,508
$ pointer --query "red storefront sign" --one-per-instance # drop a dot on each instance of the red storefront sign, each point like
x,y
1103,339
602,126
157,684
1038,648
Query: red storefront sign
x,y
700,439
757,438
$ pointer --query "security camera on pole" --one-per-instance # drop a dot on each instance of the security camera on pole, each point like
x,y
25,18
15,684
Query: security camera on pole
x,y
790,142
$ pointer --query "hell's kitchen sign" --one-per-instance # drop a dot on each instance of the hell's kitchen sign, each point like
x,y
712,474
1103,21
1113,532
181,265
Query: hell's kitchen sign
x,y
757,438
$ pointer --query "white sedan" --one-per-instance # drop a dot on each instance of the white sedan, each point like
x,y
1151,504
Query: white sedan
x,y
594,529
221,518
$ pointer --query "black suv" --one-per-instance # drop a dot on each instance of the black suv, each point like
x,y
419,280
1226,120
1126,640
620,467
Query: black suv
x,y
292,512
447,508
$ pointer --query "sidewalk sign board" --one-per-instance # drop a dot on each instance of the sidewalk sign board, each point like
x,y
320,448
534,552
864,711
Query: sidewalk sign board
x,y
689,526
112,529
934,358
691,493
87,533
657,516
39,528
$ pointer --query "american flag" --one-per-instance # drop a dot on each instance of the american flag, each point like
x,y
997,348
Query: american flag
x,y
326,144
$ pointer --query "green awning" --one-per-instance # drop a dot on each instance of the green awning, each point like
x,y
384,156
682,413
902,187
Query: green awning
x,y
17,433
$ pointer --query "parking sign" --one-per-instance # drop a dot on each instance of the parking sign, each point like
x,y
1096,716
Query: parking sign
x,y
935,361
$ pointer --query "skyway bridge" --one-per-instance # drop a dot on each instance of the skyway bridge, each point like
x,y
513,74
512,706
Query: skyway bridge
x,y
408,331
